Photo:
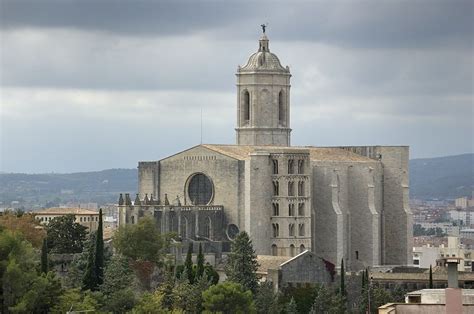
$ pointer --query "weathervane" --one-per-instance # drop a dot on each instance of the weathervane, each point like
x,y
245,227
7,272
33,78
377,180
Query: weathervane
x,y
264,26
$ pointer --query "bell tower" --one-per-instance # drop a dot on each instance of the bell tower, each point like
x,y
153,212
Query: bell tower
x,y
263,99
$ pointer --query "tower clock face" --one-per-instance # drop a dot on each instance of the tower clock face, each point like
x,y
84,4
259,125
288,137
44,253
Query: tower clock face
x,y
232,231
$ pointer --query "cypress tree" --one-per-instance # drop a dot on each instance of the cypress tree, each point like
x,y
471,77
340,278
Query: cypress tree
x,y
188,264
44,257
200,263
99,251
89,281
431,278
343,284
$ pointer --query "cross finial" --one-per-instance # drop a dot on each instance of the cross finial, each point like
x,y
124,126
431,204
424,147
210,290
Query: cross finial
x,y
264,26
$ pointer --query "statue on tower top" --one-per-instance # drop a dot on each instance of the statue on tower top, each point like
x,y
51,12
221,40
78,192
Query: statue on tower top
x,y
264,26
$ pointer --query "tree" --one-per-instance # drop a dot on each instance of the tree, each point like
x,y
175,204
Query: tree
x,y
99,251
200,263
342,288
75,300
65,235
431,278
211,274
141,241
242,263
89,281
27,225
188,264
118,275
228,297
266,301
44,257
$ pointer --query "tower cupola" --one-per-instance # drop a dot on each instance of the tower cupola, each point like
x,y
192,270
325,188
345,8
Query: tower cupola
x,y
263,99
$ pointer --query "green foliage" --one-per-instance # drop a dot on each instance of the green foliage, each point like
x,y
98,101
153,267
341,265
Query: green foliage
x,y
41,296
141,241
17,268
228,297
65,236
200,263
266,301
118,275
188,264
120,301
291,307
75,300
327,301
242,263
303,296
44,257
211,274
89,281
26,224
151,303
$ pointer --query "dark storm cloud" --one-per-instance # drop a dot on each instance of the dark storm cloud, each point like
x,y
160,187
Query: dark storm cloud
x,y
346,23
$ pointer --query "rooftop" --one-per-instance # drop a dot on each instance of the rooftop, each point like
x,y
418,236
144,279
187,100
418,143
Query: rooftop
x,y
65,211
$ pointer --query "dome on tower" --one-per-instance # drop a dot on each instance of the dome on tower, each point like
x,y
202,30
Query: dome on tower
x,y
263,59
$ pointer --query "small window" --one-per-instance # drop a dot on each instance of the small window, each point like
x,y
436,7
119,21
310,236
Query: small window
x,y
302,248
291,169
246,106
291,210
281,108
80,219
276,209
133,220
301,188
274,250
301,230
276,188
276,230
291,230
292,250
301,166
291,189
416,262
357,254
301,209
275,166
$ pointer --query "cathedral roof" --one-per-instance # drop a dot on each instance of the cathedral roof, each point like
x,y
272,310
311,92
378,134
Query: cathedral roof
x,y
263,59
242,152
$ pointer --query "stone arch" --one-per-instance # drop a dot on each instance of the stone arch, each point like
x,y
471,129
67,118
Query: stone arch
x,y
208,228
274,250
292,250
302,248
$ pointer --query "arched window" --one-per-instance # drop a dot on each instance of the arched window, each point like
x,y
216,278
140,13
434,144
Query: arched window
x,y
184,228
275,166
291,209
302,248
292,250
200,189
301,188
208,228
246,106
291,188
291,230
133,220
274,250
301,230
300,166
301,209
291,166
276,230
281,108
80,219
276,188
276,209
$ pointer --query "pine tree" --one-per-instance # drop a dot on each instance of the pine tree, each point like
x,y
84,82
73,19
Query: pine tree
x,y
99,251
291,308
431,278
44,257
200,263
343,284
242,263
188,264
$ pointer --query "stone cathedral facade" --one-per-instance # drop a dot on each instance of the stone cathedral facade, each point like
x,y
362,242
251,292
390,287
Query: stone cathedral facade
x,y
339,202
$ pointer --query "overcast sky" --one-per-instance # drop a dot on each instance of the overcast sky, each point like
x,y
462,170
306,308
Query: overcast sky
x,y
91,85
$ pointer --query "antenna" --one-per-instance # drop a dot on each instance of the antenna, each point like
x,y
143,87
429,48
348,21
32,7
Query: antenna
x,y
201,125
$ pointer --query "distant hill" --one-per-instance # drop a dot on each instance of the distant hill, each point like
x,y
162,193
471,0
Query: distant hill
x,y
442,177
99,186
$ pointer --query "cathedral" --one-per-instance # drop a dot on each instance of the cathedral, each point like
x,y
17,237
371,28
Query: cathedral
x,y
346,203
